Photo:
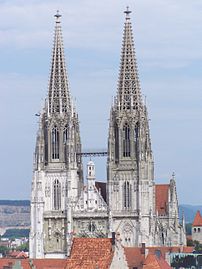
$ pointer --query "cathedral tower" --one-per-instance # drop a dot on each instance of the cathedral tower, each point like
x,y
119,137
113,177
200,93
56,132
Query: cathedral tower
x,y
57,176
130,162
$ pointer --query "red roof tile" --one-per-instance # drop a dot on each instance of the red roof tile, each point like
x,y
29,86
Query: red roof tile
x,y
49,263
164,250
153,262
9,262
17,255
162,191
134,257
197,219
38,263
89,253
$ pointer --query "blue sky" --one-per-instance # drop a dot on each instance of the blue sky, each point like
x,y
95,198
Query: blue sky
x,y
168,41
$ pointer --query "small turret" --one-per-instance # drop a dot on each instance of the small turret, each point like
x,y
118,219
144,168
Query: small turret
x,y
91,183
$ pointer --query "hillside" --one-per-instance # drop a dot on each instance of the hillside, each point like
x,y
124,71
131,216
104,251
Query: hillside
x,y
14,213
189,211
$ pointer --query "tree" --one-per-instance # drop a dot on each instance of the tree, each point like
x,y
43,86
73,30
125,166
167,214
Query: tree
x,y
24,247
4,250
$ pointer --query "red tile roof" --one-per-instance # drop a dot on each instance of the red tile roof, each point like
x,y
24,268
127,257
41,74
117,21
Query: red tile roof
x,y
89,253
134,257
162,191
154,262
17,255
164,250
49,263
197,219
10,262
38,263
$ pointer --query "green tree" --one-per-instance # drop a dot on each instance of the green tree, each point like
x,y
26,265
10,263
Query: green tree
x,y
4,250
24,247
188,228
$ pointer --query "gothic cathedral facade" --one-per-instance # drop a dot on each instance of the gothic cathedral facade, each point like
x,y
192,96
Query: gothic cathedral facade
x,y
129,204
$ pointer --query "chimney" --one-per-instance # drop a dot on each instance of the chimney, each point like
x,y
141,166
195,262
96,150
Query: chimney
x,y
143,249
113,238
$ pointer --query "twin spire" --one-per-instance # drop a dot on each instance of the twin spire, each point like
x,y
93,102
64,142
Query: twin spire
x,y
128,95
59,100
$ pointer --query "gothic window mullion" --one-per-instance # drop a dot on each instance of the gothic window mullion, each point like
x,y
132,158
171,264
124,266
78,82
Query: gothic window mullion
x,y
126,141
56,195
55,143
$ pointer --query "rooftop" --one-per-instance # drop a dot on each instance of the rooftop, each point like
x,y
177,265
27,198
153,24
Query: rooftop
x,y
198,219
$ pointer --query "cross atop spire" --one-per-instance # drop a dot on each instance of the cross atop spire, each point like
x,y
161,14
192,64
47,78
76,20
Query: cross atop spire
x,y
59,96
127,12
57,16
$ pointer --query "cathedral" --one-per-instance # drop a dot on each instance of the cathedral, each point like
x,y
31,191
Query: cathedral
x,y
129,205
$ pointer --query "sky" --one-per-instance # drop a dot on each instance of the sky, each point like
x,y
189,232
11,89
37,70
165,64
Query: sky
x,y
168,43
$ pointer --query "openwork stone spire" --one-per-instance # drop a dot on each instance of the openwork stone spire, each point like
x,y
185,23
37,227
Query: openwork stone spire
x,y
129,96
59,97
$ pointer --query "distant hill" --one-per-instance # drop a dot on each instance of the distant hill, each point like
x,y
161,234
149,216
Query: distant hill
x,y
189,211
15,202
14,213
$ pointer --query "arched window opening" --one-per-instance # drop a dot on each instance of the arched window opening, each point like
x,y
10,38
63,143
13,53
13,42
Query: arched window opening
x,y
57,195
126,141
127,195
116,136
65,135
55,143
136,136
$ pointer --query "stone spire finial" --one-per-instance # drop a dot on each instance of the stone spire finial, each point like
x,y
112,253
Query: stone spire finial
x,y
57,16
127,12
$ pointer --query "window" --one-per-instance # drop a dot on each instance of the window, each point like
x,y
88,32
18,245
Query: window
x,y
199,230
56,195
55,143
65,135
136,133
116,136
127,195
126,141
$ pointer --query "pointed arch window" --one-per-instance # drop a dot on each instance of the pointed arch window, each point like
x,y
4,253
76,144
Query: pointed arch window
x,y
55,143
116,137
126,140
127,195
65,134
56,195
136,136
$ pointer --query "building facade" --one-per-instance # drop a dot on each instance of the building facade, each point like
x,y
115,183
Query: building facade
x,y
129,203
197,228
